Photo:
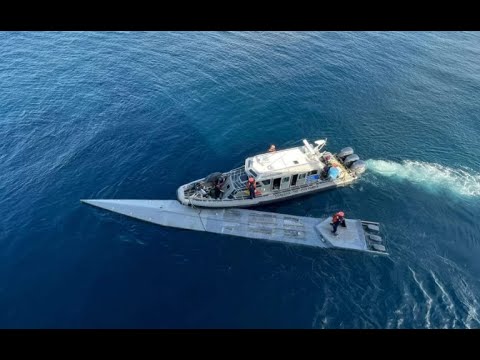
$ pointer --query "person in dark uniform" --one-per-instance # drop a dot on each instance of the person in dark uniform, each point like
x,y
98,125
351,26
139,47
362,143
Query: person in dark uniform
x,y
325,170
218,187
337,219
251,186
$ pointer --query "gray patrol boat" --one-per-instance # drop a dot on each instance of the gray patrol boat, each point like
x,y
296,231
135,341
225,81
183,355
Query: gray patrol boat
x,y
299,230
278,175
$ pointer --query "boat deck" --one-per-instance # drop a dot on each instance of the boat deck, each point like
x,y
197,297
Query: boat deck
x,y
350,237
282,228
242,199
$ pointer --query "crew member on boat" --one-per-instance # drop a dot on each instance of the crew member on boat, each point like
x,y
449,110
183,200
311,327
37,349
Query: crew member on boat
x,y
218,186
325,170
337,219
251,186
272,148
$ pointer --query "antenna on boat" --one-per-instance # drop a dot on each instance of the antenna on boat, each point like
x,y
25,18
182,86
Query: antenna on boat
x,y
308,147
320,144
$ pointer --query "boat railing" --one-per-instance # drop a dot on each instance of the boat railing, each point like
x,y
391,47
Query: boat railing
x,y
280,193
240,185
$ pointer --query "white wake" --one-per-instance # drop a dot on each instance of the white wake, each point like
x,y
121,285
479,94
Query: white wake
x,y
429,175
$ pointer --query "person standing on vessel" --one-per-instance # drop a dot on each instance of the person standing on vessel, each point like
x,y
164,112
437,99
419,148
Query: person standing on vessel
x,y
251,186
337,219
218,187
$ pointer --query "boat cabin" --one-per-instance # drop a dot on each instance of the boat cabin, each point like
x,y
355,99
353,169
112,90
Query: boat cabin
x,y
280,170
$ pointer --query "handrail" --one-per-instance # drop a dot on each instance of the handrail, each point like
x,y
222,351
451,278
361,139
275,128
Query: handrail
x,y
235,174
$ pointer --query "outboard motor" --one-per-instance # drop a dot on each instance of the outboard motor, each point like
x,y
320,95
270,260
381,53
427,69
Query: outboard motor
x,y
350,159
344,153
359,167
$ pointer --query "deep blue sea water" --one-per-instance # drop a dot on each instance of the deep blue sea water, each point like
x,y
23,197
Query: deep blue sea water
x,y
134,115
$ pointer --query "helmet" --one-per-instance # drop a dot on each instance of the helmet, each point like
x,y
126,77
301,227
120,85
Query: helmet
x,y
251,179
341,213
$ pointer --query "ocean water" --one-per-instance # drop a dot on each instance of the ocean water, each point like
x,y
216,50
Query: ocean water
x,y
136,114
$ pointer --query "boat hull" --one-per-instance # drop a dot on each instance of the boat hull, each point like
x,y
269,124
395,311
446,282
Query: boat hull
x,y
278,175
257,201
283,228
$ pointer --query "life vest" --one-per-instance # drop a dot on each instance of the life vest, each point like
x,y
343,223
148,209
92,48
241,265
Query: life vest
x,y
336,217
